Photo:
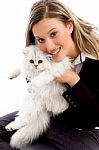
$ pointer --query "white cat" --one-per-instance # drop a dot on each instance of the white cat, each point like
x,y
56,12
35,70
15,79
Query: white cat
x,y
43,98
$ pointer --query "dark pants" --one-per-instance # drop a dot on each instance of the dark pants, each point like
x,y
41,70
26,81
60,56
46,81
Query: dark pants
x,y
41,144
56,138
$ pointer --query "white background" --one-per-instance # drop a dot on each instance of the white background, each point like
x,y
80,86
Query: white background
x,y
13,21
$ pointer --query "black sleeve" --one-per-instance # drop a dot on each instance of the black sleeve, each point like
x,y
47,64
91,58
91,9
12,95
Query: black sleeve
x,y
80,95
82,100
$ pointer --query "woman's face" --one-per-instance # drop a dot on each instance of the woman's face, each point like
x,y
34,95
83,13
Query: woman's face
x,y
54,37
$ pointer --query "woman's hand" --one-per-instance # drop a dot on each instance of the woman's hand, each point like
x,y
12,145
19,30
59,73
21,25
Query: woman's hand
x,y
69,77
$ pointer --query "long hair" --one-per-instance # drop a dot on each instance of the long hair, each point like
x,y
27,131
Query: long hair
x,y
84,35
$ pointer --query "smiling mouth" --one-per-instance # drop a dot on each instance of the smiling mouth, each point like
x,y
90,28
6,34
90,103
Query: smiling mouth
x,y
55,52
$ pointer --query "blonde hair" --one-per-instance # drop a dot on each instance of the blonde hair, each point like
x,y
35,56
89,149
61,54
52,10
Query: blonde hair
x,y
84,34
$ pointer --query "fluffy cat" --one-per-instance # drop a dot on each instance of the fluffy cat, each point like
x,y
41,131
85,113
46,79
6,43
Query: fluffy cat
x,y
43,98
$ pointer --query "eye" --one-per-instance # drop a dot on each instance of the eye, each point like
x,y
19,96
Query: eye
x,y
31,61
40,61
53,34
41,40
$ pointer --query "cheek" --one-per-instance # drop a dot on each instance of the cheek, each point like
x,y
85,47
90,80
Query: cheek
x,y
42,47
65,41
61,40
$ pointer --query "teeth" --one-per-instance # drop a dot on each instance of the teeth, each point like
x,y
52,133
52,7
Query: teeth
x,y
55,52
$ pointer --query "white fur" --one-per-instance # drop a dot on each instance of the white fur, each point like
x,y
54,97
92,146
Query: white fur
x,y
43,98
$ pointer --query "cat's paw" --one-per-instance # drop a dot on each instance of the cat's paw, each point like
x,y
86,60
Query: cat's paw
x,y
14,74
20,139
9,127
16,141
14,125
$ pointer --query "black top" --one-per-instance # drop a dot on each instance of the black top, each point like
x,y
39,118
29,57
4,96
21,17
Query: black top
x,y
83,98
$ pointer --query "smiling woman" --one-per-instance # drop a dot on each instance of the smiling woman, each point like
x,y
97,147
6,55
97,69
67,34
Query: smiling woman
x,y
59,32
12,40
55,39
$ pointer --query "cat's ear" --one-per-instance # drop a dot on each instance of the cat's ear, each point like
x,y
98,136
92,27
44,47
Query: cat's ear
x,y
28,49
25,51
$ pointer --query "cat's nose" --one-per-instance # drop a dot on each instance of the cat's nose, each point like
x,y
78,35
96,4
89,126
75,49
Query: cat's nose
x,y
36,66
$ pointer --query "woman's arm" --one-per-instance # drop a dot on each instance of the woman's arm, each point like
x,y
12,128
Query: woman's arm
x,y
70,77
79,94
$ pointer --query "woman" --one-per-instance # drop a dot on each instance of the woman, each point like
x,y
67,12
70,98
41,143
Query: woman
x,y
59,32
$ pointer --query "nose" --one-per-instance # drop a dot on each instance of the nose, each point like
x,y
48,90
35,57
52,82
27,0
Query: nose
x,y
50,45
36,66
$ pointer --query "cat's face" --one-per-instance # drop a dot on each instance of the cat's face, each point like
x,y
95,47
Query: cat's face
x,y
36,60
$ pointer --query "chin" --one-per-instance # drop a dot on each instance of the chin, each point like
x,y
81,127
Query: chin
x,y
58,59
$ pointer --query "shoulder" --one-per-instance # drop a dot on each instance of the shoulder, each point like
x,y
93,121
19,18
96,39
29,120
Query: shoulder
x,y
91,63
90,70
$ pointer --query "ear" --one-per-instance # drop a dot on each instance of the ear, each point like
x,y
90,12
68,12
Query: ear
x,y
70,26
25,51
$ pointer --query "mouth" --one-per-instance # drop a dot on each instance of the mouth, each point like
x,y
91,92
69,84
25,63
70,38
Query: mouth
x,y
55,52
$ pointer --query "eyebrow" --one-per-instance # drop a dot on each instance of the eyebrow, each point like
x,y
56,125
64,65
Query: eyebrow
x,y
47,32
51,30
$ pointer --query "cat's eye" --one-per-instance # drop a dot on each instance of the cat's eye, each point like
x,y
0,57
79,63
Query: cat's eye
x,y
31,61
40,61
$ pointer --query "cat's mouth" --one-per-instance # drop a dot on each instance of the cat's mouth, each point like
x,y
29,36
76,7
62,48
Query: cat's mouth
x,y
38,70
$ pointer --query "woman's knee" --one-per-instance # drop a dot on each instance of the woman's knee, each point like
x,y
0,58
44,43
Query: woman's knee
x,y
4,120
